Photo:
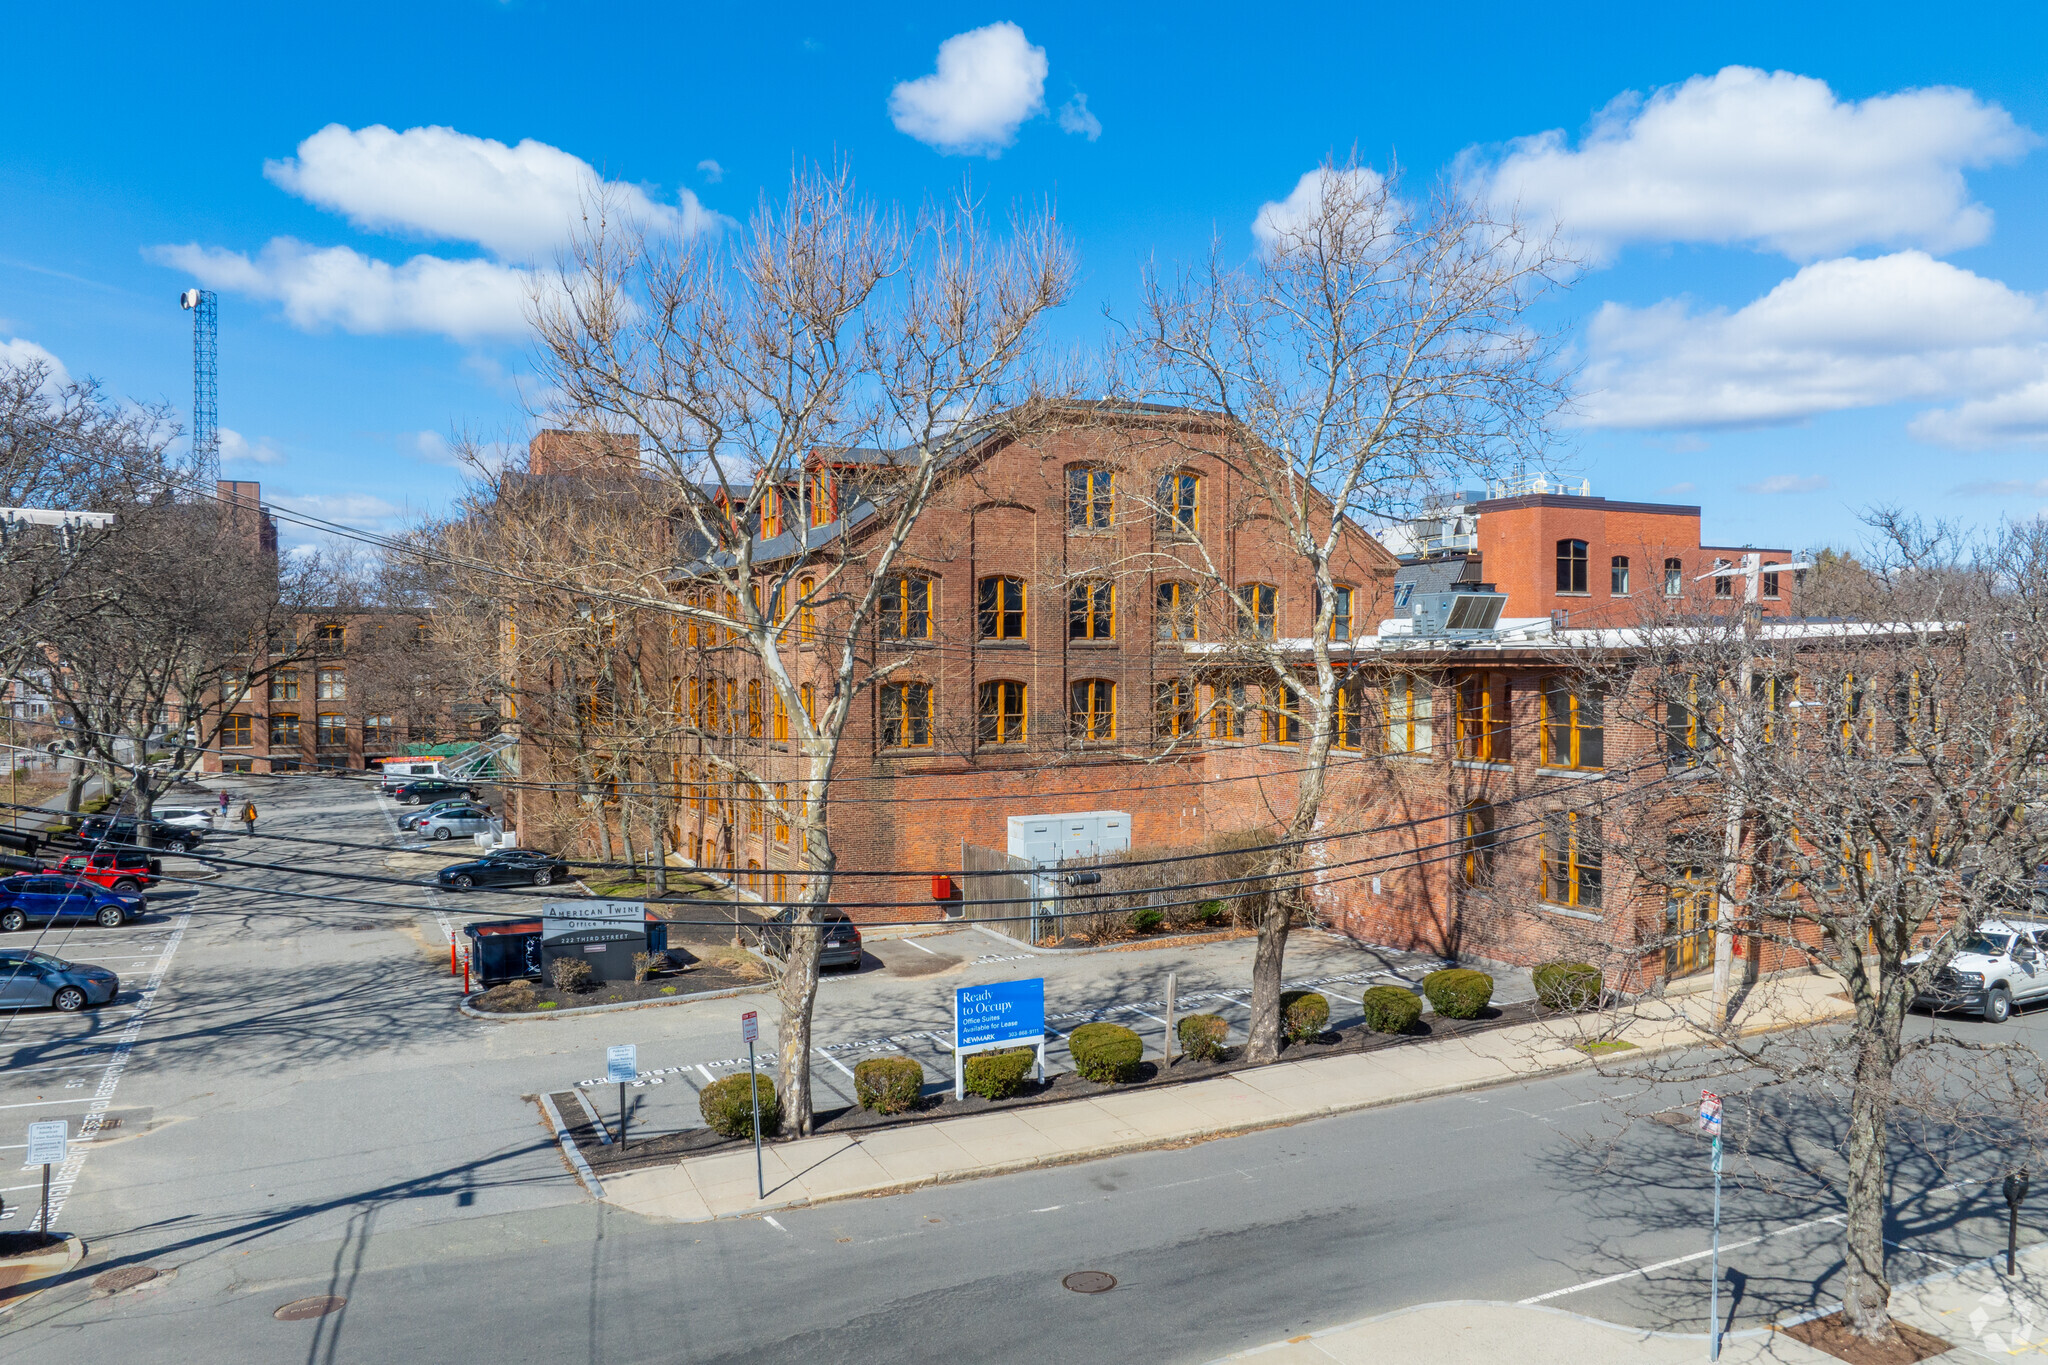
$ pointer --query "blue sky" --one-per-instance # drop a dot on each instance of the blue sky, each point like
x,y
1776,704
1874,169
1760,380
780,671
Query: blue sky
x,y
1816,233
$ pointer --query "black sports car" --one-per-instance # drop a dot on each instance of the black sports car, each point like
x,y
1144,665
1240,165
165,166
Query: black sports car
x,y
505,867
429,789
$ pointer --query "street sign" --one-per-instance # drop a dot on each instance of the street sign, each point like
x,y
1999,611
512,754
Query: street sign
x,y
622,1063
1005,1014
46,1142
750,1026
1710,1113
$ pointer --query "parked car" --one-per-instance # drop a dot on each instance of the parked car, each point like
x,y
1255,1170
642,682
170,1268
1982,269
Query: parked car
x,y
413,819
123,829
1999,965
30,980
126,870
838,937
201,820
463,819
505,867
29,897
429,789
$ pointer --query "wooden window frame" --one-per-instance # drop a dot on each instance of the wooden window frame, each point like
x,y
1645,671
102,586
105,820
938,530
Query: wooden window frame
x,y
1572,571
1479,842
1002,709
823,491
781,822
1478,720
1258,610
907,603
993,611
806,612
284,686
1091,710
1180,502
1617,576
756,721
1173,709
1344,599
237,732
1091,609
1173,611
1674,578
283,730
906,711
1409,714
1279,715
1226,712
1091,498
1570,864
330,684
326,723
1563,740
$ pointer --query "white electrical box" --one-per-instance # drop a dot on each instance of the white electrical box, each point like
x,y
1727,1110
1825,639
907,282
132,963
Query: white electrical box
x,y
1047,840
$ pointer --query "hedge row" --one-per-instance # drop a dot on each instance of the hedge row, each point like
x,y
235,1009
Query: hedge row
x,y
1106,1052
1458,992
998,1075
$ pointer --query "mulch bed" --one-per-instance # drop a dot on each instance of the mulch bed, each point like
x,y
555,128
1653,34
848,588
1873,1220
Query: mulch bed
x,y
660,1148
697,978
1832,1334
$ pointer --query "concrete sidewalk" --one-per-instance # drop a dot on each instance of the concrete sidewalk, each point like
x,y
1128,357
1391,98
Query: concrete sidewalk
x,y
815,1169
1979,1310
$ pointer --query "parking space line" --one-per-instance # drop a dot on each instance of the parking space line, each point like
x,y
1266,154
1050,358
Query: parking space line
x,y
919,946
709,1079
834,1060
38,1104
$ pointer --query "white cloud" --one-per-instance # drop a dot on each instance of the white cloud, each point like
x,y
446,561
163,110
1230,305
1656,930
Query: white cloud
x,y
239,449
988,81
712,170
1284,221
1839,334
1789,483
320,287
1077,117
20,351
1774,160
2018,416
2004,488
519,202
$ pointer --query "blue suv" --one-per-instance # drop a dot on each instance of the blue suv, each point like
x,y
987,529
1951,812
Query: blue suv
x,y
48,898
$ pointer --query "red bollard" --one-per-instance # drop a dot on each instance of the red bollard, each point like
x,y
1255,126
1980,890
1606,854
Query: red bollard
x,y
465,974
451,957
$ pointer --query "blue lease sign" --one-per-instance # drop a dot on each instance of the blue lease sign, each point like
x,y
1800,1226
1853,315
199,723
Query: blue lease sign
x,y
622,1063
1006,1012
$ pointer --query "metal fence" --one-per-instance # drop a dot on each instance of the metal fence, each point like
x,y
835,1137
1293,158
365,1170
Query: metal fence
x,y
994,888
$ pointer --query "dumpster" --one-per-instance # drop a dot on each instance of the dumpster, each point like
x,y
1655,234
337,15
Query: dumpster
x,y
512,949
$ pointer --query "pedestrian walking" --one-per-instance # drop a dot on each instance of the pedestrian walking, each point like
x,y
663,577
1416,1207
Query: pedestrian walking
x,y
223,803
249,815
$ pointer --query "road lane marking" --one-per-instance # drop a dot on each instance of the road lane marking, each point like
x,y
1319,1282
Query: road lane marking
x,y
88,1129
919,946
1676,1260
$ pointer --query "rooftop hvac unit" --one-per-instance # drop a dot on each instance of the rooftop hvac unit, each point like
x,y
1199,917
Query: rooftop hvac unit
x,y
1457,615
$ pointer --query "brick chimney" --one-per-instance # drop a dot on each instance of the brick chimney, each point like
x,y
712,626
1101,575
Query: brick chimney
x,y
243,499
585,454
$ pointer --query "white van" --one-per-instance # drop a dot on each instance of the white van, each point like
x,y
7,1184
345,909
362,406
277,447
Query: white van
x,y
398,771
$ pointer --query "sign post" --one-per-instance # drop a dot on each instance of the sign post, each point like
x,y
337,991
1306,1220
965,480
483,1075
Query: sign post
x,y
1005,1014
622,1064
750,1029
46,1148
1710,1124
1170,981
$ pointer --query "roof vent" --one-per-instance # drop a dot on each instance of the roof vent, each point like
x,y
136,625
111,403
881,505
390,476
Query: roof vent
x,y
1457,615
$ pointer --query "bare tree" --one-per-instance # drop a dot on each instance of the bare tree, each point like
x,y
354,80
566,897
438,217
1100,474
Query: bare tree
x,y
797,392
1877,772
1374,348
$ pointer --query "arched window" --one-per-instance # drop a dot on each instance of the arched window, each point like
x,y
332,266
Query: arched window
x,y
781,730
1173,709
824,491
806,614
1674,578
756,722
1174,611
771,513
1258,609
999,603
1091,499
1180,502
1571,566
1479,837
1001,709
1091,709
1091,610
906,608
1617,575
906,715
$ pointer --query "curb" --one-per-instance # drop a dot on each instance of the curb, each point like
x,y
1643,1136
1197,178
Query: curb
x,y
1287,1120
1176,941
569,1148
22,1291
532,1016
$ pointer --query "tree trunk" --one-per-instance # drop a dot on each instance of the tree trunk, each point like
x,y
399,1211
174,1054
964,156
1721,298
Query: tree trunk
x,y
626,835
1263,1044
657,838
1866,1294
604,835
74,791
796,992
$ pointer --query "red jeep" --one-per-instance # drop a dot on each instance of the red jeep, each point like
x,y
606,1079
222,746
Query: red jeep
x,y
126,870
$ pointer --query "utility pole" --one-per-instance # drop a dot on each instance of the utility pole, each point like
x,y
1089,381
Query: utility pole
x,y
1751,570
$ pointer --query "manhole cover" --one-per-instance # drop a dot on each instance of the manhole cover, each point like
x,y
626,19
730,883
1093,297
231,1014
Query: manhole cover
x,y
1090,1281
298,1310
127,1277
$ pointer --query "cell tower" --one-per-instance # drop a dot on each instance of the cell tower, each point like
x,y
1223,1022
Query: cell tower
x,y
205,307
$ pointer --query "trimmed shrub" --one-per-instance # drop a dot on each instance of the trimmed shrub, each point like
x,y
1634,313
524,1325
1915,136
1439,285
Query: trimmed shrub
x,y
570,975
1303,1015
1202,1035
1210,913
1146,921
1106,1052
1390,1009
888,1085
729,1108
1458,992
1567,985
997,1075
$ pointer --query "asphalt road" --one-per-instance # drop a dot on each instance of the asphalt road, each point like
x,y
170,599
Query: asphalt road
x,y
305,1114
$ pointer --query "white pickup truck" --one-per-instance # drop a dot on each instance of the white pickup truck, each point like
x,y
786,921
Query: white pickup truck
x,y
2004,963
